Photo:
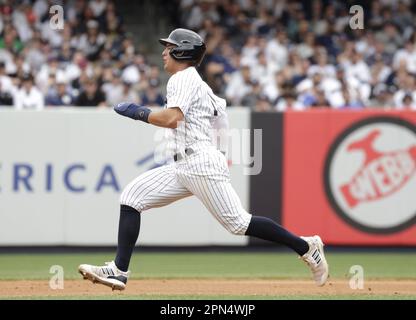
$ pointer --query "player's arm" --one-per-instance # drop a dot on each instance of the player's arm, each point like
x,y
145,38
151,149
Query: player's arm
x,y
167,118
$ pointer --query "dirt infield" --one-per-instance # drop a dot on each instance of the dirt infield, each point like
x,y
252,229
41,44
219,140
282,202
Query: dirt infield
x,y
216,287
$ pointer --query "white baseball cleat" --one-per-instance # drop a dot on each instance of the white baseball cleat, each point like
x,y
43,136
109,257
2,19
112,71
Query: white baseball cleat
x,y
108,275
315,259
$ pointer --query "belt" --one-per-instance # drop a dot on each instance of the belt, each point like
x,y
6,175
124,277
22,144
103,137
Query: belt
x,y
178,156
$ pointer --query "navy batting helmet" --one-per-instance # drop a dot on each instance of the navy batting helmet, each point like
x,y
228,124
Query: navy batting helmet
x,y
189,46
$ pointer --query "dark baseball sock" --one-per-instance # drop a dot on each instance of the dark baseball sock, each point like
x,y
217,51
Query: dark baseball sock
x,y
128,232
266,229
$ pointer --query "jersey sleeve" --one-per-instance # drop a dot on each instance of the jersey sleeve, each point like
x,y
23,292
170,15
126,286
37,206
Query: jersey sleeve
x,y
180,92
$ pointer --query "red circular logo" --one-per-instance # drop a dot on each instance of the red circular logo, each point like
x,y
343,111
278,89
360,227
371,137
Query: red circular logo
x,y
370,175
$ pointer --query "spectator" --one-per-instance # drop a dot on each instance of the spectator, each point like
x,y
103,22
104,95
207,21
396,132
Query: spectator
x,y
129,94
306,48
263,24
408,102
153,75
390,37
6,82
131,73
379,71
382,97
6,99
322,66
239,85
250,51
349,101
357,68
263,104
408,87
113,89
76,66
218,65
59,95
201,10
259,70
28,96
277,52
288,101
97,7
91,96
251,98
272,89
47,74
120,91
408,55
307,87
92,42
152,96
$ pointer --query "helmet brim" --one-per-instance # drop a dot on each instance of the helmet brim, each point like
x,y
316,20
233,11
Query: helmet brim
x,y
167,41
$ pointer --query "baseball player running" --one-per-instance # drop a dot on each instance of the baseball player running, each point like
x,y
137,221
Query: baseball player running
x,y
197,168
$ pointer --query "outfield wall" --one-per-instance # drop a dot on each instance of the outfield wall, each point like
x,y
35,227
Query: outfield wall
x,y
349,176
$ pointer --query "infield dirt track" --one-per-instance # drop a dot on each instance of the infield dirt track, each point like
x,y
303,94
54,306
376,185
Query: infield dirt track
x,y
261,287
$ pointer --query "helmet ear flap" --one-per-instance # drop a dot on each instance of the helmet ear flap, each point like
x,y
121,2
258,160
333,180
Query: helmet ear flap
x,y
179,53
175,53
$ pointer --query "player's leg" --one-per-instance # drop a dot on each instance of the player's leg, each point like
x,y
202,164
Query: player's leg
x,y
310,249
220,198
154,188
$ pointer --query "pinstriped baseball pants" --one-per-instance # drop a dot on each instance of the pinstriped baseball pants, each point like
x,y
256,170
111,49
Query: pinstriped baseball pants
x,y
204,174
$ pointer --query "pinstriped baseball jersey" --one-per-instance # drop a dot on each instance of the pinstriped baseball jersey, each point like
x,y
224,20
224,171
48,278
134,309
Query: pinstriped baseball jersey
x,y
186,90
203,172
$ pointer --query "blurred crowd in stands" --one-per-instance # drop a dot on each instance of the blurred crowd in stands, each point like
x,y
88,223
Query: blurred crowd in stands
x,y
91,61
262,54
278,55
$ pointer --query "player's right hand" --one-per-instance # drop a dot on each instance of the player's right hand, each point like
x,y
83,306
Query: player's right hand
x,y
133,111
128,109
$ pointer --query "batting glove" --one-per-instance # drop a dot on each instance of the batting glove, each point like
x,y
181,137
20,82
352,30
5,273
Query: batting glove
x,y
132,110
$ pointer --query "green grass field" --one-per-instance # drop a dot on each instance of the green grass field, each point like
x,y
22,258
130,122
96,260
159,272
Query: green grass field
x,y
209,265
